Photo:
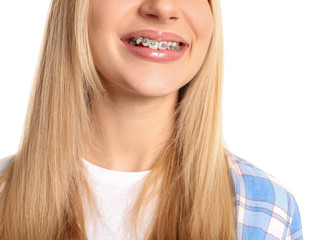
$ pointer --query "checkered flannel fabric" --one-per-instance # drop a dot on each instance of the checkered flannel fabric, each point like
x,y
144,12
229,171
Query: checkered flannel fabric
x,y
264,208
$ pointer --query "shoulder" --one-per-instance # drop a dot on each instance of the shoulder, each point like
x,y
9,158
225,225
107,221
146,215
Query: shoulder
x,y
265,209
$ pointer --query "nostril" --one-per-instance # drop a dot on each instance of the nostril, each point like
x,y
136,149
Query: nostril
x,y
152,16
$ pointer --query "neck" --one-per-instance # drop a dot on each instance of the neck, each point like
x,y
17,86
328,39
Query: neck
x,y
133,131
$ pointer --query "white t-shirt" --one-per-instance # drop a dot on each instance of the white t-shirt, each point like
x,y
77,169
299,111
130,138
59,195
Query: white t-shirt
x,y
115,193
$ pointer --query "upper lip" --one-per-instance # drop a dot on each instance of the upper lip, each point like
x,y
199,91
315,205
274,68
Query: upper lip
x,y
155,35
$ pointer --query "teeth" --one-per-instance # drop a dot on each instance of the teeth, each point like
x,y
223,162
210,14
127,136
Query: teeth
x,y
162,45
138,40
153,44
170,45
174,46
145,42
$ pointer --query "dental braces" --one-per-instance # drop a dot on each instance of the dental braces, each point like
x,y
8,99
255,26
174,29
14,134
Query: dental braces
x,y
153,44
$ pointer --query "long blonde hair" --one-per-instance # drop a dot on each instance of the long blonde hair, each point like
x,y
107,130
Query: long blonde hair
x,y
44,187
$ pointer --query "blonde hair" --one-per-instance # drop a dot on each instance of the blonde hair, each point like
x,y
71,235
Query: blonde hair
x,y
45,187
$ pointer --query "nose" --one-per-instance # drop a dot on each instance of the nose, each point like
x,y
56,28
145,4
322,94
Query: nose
x,y
162,11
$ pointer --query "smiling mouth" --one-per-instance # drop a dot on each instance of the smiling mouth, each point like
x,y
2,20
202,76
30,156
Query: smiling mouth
x,y
154,44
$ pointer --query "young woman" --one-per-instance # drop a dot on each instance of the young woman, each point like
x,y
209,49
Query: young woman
x,y
123,140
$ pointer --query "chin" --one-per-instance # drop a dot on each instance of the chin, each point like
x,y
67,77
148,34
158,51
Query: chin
x,y
155,92
153,88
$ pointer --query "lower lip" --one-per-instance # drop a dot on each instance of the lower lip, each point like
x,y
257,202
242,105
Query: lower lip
x,y
155,55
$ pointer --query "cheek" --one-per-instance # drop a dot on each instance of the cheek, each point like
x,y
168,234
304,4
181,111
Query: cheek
x,y
105,18
201,18
201,21
102,27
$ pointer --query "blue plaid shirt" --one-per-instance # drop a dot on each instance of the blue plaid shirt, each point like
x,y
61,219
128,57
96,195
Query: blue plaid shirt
x,y
264,208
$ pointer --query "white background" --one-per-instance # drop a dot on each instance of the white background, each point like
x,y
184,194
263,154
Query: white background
x,y
278,92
